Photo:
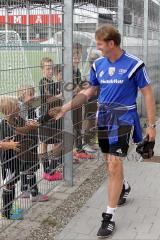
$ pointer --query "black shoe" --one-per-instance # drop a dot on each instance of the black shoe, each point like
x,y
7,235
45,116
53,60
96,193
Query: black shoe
x,y
107,226
123,196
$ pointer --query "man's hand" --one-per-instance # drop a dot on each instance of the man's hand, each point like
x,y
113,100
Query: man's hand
x,y
32,124
151,110
56,113
151,132
10,145
85,85
80,99
76,90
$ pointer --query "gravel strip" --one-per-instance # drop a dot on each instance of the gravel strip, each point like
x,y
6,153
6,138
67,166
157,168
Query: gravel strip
x,y
60,217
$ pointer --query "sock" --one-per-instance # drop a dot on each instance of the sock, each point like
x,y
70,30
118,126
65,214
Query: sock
x,y
111,211
126,185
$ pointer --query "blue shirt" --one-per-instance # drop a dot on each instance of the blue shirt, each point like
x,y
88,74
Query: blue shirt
x,y
119,82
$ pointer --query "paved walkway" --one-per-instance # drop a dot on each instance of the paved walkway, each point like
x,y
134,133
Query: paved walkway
x,y
138,219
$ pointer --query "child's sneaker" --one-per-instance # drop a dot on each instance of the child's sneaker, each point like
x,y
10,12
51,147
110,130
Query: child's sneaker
x,y
45,176
95,146
57,175
16,208
16,212
16,216
39,198
88,149
83,155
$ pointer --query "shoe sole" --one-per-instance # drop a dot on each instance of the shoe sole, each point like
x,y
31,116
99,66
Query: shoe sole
x,y
53,180
121,205
19,219
40,201
103,237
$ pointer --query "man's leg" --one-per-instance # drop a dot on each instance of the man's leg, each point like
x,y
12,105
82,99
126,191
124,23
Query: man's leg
x,y
114,166
114,154
114,169
118,182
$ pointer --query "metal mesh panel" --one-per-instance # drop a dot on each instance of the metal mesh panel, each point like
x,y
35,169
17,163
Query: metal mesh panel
x,y
31,71
32,35
153,45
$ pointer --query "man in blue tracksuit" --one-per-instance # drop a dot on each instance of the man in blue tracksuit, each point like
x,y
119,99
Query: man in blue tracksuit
x,y
118,75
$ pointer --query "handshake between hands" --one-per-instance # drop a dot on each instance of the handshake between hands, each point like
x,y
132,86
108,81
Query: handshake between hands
x,y
56,113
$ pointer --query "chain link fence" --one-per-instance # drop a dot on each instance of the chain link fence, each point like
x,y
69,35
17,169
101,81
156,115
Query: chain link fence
x,y
31,69
46,51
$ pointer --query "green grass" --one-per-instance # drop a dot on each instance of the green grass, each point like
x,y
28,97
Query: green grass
x,y
14,71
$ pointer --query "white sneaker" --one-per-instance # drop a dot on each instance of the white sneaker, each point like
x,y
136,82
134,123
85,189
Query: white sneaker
x,y
88,149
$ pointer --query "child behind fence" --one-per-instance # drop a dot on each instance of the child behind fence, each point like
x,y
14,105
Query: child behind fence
x,y
10,162
30,163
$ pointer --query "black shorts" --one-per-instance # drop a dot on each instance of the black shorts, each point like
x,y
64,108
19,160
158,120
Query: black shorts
x,y
51,132
117,149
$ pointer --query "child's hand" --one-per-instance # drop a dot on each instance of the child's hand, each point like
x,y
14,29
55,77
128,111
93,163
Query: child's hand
x,y
10,145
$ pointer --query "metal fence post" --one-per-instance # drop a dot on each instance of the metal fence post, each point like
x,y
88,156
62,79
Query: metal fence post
x,y
158,96
27,21
121,19
6,23
145,36
68,73
145,45
50,25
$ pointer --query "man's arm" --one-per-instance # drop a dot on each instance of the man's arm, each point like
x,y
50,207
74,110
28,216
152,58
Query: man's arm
x,y
81,98
150,109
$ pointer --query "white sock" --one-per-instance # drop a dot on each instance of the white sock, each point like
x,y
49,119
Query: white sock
x,y
111,211
126,185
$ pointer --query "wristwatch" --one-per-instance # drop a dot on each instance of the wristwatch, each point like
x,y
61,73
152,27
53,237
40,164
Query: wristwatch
x,y
151,125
